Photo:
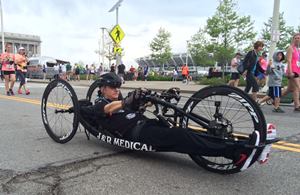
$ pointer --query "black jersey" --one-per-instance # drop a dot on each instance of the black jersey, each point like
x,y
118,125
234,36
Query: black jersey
x,y
120,121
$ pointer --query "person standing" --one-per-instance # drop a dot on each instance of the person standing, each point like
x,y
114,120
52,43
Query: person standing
x,y
185,73
275,70
8,68
235,75
69,71
113,68
121,72
293,70
250,64
146,72
77,72
21,61
175,74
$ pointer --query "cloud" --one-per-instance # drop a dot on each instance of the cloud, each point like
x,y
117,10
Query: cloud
x,y
70,30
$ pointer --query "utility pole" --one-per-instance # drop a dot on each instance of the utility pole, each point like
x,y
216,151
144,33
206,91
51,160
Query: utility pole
x,y
116,7
102,52
2,30
275,34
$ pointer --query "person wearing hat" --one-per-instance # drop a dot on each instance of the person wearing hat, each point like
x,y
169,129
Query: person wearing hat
x,y
121,118
21,61
235,75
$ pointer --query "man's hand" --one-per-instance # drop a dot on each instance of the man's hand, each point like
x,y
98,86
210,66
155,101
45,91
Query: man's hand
x,y
133,98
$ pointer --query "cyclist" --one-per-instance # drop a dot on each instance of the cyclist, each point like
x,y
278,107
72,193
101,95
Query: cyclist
x,y
120,118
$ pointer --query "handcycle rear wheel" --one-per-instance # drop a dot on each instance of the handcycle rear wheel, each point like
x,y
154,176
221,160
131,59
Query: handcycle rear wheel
x,y
60,111
237,107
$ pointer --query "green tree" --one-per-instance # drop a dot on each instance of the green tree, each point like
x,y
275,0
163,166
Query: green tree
x,y
200,48
160,47
286,32
229,29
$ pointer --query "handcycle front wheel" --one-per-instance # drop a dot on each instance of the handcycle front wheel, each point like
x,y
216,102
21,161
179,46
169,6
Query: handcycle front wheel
x,y
60,111
243,116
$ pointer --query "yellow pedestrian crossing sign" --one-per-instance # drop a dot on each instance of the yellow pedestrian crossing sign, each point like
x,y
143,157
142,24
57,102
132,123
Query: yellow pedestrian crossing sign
x,y
117,34
117,50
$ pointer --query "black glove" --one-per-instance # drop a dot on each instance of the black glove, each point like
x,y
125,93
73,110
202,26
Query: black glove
x,y
134,99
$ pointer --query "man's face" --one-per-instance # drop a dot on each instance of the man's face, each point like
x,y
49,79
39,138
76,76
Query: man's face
x,y
111,93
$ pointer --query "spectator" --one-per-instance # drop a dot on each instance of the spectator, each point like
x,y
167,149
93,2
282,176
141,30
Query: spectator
x,y
293,70
146,72
175,74
275,72
113,68
77,72
100,70
250,64
21,61
121,72
235,75
44,72
92,71
69,71
87,72
8,69
63,71
185,73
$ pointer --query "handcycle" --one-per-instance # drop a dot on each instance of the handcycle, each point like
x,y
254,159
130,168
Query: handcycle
x,y
222,113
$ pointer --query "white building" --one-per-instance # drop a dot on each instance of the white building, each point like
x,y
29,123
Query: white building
x,y
31,43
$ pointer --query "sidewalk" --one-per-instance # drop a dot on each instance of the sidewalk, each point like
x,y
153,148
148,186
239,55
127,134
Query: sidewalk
x,y
152,85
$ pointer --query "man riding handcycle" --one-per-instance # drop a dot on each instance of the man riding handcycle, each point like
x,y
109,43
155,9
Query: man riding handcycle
x,y
203,131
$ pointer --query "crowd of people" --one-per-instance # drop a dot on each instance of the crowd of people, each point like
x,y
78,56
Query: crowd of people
x,y
255,68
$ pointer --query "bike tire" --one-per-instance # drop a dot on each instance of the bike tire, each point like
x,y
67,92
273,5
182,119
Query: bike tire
x,y
245,104
59,95
93,91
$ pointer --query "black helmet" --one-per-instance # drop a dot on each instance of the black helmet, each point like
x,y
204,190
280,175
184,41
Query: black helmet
x,y
110,79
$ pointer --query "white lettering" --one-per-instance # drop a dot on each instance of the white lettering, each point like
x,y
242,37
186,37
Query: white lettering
x,y
116,142
136,146
246,104
108,140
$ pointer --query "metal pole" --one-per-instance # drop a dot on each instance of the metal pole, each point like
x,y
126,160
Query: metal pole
x,y
274,36
2,30
275,28
118,57
102,52
117,15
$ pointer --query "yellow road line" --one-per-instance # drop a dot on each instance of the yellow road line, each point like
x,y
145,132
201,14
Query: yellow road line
x,y
282,145
285,148
34,101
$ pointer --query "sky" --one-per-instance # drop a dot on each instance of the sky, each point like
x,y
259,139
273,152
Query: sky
x,y
70,29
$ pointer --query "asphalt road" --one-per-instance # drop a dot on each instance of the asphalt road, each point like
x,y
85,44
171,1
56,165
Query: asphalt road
x,y
31,163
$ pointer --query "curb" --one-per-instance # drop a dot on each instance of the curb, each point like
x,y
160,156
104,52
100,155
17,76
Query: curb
x,y
260,95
